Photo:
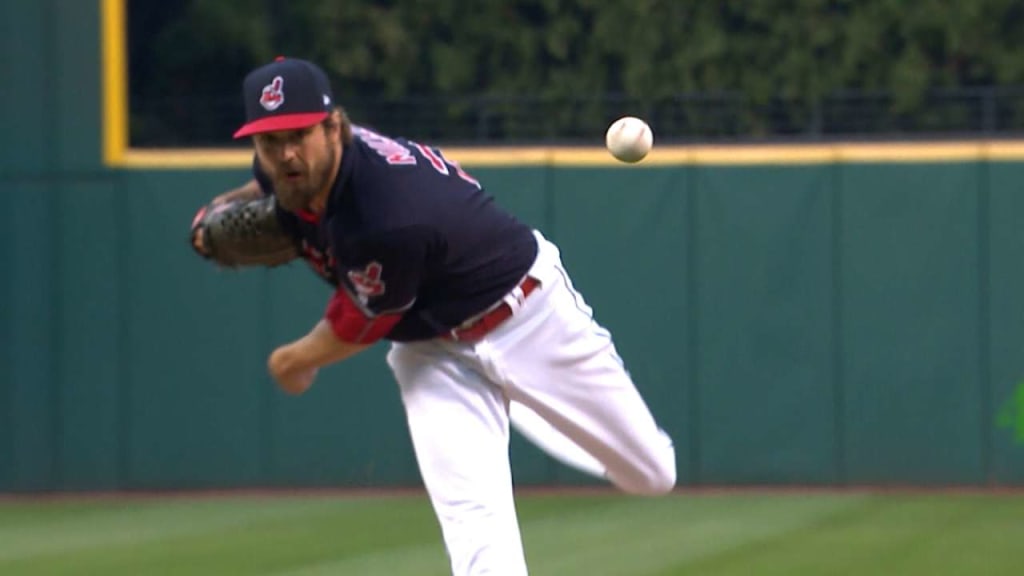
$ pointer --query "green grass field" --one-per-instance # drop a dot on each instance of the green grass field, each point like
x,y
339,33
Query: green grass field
x,y
724,534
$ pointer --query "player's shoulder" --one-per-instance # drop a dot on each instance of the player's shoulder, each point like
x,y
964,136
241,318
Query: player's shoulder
x,y
384,150
381,195
390,170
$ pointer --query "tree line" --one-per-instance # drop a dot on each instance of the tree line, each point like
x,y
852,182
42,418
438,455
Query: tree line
x,y
570,59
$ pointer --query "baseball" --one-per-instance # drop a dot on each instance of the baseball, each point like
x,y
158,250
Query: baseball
x,y
629,139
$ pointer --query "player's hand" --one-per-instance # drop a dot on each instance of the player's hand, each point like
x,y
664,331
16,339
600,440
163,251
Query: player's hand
x,y
290,377
198,242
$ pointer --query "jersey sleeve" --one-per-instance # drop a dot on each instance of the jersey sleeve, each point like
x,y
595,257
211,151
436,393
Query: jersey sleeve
x,y
378,283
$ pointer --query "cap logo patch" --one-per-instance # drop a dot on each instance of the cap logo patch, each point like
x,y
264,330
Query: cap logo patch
x,y
273,94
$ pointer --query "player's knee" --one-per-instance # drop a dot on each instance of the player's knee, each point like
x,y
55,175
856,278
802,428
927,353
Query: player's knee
x,y
654,476
658,482
657,478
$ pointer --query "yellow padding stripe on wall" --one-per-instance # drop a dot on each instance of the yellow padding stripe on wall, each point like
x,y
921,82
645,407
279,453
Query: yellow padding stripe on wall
x,y
795,154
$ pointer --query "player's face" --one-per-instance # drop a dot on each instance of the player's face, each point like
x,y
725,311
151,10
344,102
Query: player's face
x,y
300,163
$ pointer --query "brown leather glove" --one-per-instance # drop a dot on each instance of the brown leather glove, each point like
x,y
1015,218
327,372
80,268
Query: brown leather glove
x,y
242,232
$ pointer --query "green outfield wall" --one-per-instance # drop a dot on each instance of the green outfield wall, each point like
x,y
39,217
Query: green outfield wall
x,y
796,320
828,324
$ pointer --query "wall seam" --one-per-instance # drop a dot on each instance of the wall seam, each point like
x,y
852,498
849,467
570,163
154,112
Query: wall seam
x,y
693,326
984,322
266,462
123,340
54,191
7,443
838,356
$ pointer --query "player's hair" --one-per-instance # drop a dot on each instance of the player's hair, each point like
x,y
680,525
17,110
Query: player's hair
x,y
339,118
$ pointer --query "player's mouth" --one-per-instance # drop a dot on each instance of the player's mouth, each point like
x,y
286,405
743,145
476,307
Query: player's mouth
x,y
292,175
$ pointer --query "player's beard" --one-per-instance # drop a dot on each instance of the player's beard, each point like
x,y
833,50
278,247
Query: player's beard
x,y
296,195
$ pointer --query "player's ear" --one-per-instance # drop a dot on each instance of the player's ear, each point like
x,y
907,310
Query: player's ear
x,y
344,124
332,124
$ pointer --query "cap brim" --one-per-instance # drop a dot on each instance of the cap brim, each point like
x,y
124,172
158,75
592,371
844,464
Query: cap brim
x,y
282,122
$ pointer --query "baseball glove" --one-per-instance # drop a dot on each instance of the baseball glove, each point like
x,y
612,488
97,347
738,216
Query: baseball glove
x,y
242,233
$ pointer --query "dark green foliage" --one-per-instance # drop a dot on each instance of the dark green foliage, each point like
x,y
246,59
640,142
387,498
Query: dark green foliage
x,y
560,69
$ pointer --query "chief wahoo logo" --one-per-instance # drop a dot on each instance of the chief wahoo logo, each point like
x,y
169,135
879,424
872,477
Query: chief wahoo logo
x,y
273,94
367,282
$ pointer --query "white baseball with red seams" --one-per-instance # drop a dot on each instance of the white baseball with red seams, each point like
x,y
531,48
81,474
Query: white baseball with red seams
x,y
629,139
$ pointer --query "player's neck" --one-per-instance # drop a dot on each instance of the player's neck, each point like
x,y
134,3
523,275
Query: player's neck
x,y
319,204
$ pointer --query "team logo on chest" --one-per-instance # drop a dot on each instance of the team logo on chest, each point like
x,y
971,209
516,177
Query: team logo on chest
x,y
367,282
273,94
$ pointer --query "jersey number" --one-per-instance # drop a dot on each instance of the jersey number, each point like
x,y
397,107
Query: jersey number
x,y
442,164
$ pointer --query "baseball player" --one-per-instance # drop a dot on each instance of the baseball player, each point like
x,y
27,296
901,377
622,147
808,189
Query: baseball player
x,y
481,315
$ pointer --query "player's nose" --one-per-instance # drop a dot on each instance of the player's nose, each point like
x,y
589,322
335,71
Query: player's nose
x,y
289,152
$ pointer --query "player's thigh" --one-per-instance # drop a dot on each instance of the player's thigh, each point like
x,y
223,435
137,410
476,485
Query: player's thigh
x,y
455,416
460,431
568,371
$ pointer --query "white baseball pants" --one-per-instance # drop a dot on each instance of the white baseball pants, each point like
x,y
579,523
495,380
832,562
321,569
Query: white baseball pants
x,y
558,363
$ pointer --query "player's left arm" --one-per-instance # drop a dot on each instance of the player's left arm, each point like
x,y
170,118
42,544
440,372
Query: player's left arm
x,y
374,292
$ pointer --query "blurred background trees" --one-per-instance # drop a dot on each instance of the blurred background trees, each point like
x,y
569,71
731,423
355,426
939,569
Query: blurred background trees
x,y
512,71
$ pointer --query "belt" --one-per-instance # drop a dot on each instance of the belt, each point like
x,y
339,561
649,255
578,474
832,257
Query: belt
x,y
476,328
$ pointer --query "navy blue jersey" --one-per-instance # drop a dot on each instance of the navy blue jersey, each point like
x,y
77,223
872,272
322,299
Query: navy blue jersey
x,y
407,232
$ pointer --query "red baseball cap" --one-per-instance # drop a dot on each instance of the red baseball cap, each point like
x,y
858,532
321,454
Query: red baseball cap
x,y
287,94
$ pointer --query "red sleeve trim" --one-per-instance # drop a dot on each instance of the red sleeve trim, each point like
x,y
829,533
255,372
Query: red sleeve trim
x,y
351,324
